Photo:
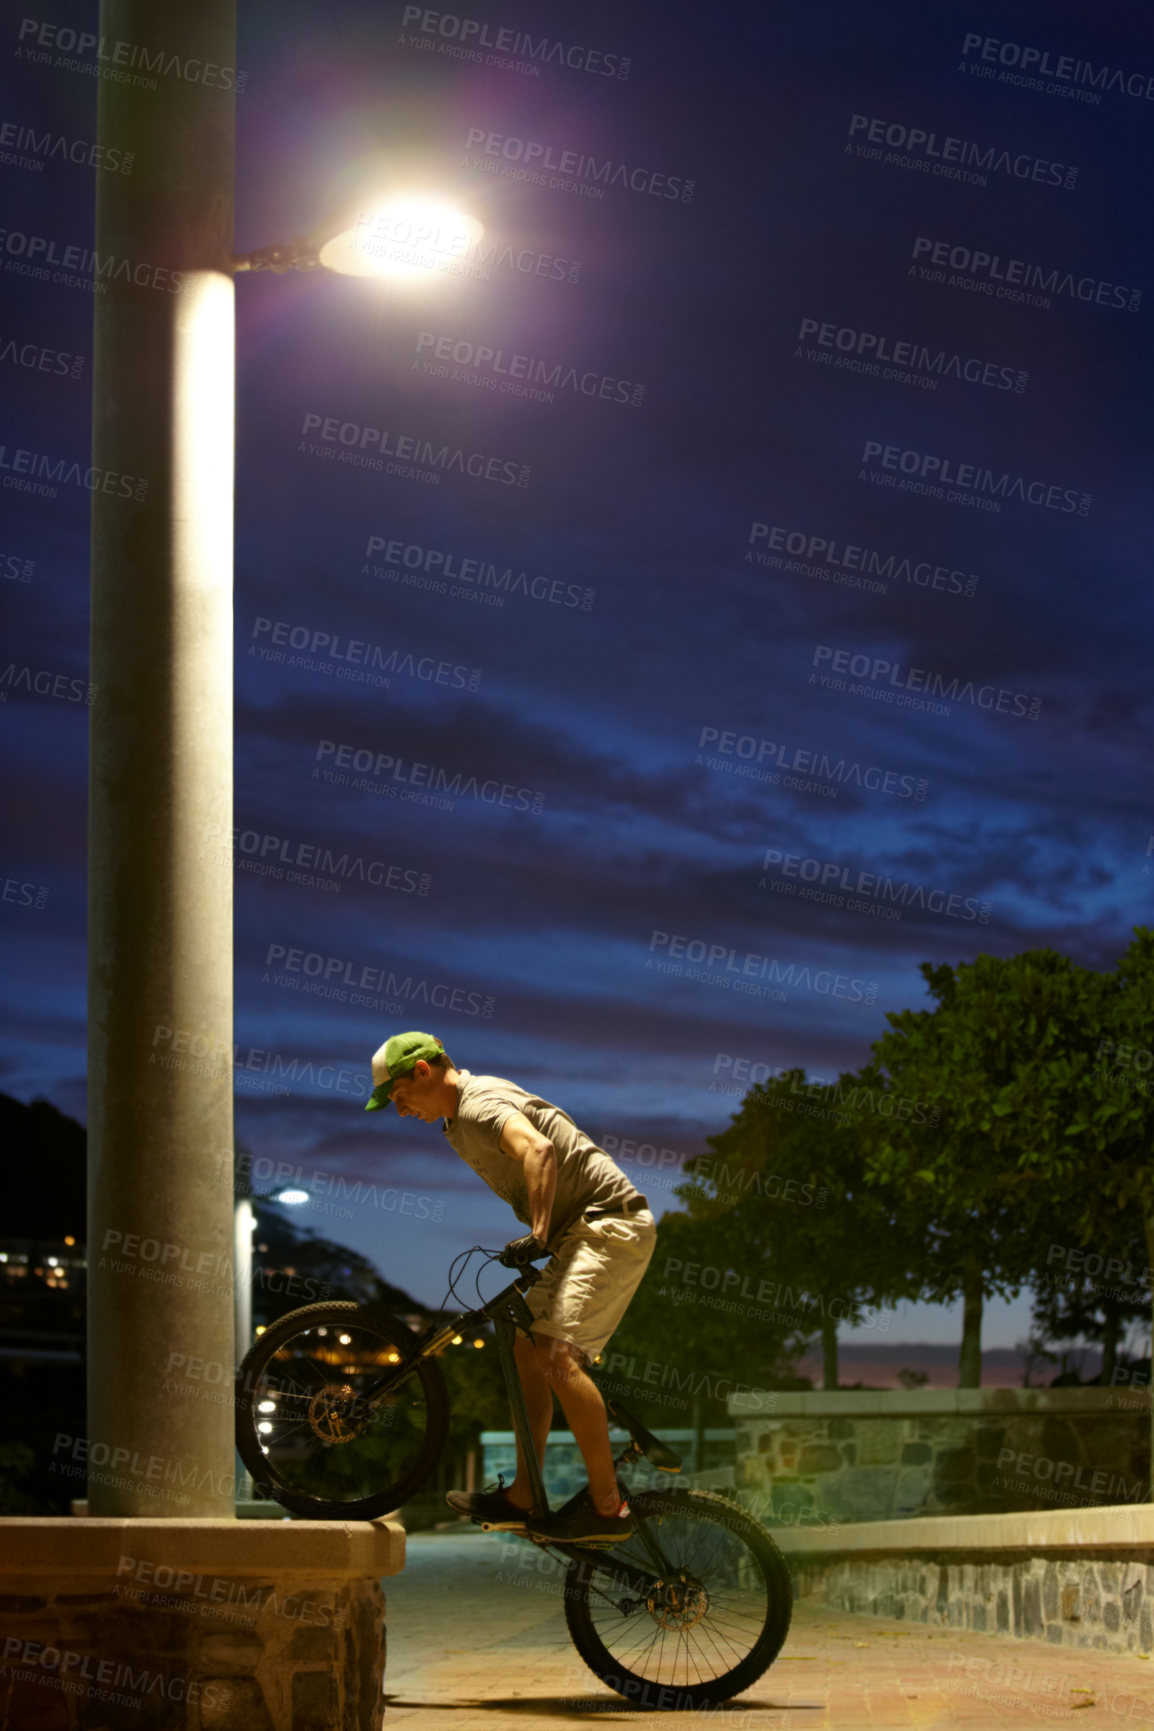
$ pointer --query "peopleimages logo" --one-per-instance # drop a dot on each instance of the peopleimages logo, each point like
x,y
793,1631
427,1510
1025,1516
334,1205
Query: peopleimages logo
x,y
474,579
451,249
817,553
20,466
349,442
310,864
719,963
885,674
869,352
1038,63
533,161
354,658
465,37
37,358
49,260
517,375
941,472
112,57
372,987
15,138
399,777
1015,279
953,156
823,881
819,772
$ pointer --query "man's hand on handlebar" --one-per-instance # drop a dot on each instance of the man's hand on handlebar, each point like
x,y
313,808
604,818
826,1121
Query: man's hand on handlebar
x,y
520,1252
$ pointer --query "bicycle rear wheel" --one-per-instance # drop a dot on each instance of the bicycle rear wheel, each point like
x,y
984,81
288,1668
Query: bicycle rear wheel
x,y
705,1628
304,1430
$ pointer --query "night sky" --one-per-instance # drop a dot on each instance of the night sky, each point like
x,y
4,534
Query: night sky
x,y
811,543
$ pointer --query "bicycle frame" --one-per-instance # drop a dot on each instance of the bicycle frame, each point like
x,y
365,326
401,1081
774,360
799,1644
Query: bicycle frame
x,y
508,1311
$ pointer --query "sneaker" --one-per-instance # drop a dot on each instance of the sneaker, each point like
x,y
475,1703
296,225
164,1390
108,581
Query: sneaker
x,y
582,1525
491,1507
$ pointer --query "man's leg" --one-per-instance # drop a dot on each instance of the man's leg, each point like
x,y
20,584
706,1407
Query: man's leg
x,y
538,1391
554,1365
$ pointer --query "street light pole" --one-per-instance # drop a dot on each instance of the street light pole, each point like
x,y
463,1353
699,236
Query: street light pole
x,y
160,1235
161,1244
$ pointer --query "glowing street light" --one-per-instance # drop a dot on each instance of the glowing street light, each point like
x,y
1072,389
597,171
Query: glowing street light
x,y
404,237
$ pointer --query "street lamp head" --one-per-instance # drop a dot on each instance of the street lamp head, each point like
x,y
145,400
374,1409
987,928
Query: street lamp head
x,y
406,238
402,237
291,1198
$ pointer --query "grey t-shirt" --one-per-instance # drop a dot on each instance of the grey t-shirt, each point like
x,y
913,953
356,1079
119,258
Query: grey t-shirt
x,y
586,1176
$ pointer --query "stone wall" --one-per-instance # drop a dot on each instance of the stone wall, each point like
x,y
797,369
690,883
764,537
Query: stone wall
x,y
864,1456
1073,1601
306,1654
193,1625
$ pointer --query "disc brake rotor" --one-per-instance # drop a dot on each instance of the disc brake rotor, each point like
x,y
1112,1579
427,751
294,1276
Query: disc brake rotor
x,y
333,1415
677,1604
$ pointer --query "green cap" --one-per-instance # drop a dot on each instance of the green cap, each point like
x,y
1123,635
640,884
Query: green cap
x,y
396,1059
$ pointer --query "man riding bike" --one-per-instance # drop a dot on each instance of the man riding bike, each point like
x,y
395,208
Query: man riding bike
x,y
580,1208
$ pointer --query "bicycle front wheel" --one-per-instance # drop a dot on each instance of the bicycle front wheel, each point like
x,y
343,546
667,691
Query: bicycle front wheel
x,y
309,1437
704,1625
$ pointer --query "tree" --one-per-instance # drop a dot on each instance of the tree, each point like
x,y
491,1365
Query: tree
x,y
1098,1161
992,1062
1095,1294
791,1174
697,1328
780,1235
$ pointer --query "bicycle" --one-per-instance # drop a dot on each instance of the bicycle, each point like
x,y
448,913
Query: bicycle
x,y
342,1413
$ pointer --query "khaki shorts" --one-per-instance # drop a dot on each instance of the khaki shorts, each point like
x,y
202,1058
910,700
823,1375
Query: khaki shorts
x,y
586,1289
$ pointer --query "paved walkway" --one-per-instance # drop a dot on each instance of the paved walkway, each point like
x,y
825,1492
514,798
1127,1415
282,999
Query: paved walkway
x,y
477,1638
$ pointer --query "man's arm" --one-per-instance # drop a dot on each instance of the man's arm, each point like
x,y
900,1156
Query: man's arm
x,y
538,1157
